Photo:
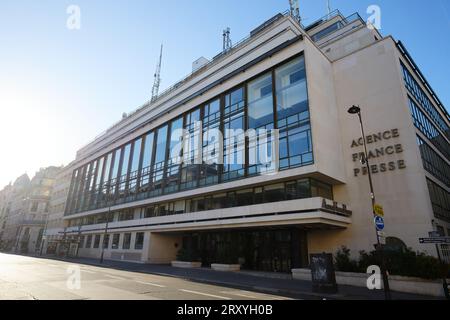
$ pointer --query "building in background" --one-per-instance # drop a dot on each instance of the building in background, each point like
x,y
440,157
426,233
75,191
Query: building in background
x,y
28,209
55,240
301,81
5,208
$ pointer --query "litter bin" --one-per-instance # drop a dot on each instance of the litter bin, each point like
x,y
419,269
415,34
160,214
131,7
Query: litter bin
x,y
322,273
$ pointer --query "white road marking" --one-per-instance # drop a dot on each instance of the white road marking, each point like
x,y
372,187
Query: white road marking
x,y
246,294
205,294
151,284
87,271
114,277
53,265
239,294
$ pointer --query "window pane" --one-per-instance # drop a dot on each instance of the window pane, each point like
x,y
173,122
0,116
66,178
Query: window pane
x,y
161,145
126,159
115,170
274,193
148,151
292,96
136,155
260,102
115,243
97,241
126,241
139,244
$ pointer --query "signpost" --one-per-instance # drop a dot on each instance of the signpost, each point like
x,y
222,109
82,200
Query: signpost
x,y
436,239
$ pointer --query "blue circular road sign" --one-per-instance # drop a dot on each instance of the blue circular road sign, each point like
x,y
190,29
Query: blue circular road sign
x,y
379,223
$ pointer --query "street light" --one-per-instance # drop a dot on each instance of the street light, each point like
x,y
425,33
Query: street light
x,y
357,110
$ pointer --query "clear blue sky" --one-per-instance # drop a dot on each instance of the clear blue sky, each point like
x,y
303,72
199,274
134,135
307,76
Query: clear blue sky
x,y
60,88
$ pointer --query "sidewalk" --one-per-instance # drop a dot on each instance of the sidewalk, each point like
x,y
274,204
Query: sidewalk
x,y
297,289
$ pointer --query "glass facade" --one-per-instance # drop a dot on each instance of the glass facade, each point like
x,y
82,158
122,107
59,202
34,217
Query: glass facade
x,y
427,127
293,115
433,162
416,91
283,191
440,200
428,120
150,165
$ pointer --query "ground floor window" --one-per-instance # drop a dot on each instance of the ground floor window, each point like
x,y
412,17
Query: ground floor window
x,y
115,242
89,242
97,241
259,249
126,241
139,243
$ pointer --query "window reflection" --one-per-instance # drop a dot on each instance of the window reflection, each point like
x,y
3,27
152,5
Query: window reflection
x,y
126,175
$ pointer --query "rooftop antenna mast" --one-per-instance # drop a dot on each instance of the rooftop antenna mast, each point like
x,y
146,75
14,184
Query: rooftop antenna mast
x,y
295,10
227,44
157,82
328,8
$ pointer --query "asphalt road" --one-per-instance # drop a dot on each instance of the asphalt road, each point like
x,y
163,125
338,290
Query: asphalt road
x,y
29,278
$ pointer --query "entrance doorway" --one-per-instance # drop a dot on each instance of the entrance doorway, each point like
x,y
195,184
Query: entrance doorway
x,y
272,250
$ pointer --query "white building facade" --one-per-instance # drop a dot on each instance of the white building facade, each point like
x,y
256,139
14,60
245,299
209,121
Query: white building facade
x,y
129,195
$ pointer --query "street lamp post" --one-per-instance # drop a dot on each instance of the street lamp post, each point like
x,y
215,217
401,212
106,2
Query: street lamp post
x,y
357,110
44,236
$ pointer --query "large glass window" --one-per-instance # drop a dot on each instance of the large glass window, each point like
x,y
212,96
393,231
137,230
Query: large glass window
x,y
136,155
260,117
139,243
209,171
433,162
175,154
134,170
106,241
260,102
126,241
440,199
97,183
124,170
146,163
420,95
104,190
427,127
97,241
89,241
115,241
191,154
234,137
115,169
115,174
160,160
293,115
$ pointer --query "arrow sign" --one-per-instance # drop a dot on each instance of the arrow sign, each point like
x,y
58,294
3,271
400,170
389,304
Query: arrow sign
x,y
379,223
441,240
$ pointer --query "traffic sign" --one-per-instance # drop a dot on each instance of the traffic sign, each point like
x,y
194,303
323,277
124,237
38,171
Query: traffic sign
x,y
379,223
439,240
378,210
